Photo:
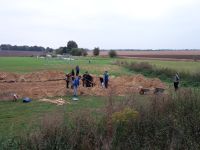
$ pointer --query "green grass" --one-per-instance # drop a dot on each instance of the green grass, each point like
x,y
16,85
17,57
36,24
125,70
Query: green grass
x,y
30,64
17,117
186,66
97,66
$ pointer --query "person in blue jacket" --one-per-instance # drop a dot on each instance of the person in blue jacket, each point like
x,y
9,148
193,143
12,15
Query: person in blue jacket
x,y
75,85
105,79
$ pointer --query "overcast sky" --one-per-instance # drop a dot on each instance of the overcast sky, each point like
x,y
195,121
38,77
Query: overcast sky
x,y
108,24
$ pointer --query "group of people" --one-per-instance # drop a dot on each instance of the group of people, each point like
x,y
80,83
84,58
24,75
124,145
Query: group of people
x,y
73,79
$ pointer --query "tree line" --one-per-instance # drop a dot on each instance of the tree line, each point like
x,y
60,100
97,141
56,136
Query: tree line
x,y
71,48
24,48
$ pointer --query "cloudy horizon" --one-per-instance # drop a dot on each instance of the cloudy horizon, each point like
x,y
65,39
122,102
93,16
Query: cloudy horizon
x,y
108,24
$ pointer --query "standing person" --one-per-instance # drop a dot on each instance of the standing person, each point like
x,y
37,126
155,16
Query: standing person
x,y
176,81
77,70
67,79
105,79
72,75
75,85
101,81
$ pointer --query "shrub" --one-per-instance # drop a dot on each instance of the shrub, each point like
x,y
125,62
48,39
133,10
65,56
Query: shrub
x,y
76,52
124,116
165,74
84,52
112,53
96,51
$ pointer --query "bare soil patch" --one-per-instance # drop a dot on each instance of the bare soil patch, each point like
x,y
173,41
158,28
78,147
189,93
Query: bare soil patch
x,y
51,83
158,54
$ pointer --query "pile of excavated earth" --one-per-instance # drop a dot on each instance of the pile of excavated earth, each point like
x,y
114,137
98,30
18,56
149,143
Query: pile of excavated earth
x,y
51,83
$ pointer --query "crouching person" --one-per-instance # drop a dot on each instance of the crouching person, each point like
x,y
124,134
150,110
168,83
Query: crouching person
x,y
15,97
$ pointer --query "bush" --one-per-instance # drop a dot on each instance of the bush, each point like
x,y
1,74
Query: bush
x,y
124,116
96,51
112,53
84,52
166,74
77,52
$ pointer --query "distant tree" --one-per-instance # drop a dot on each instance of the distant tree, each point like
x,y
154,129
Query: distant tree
x,y
59,50
112,53
84,52
96,51
49,49
65,50
76,51
71,45
21,48
79,52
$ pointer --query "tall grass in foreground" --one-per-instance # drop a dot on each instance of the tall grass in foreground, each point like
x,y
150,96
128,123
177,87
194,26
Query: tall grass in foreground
x,y
167,122
166,74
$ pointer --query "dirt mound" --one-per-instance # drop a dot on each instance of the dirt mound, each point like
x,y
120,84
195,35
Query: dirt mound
x,y
52,83
31,77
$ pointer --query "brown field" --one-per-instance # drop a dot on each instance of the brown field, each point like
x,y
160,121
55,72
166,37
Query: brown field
x,y
157,54
10,53
52,83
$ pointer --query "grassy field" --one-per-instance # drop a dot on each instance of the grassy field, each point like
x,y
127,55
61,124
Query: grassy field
x,y
29,64
97,65
18,118
188,66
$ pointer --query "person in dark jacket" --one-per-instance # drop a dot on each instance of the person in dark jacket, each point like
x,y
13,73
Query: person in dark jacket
x,y
72,75
84,77
89,80
77,70
101,82
176,81
105,79
67,79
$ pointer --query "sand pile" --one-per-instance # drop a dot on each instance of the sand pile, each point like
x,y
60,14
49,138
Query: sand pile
x,y
50,84
58,101
4,76
31,77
